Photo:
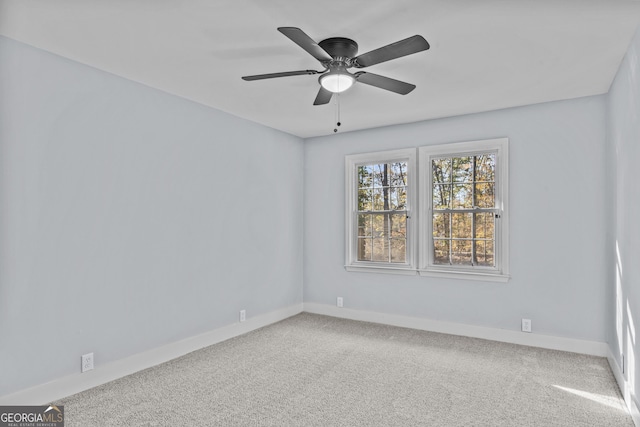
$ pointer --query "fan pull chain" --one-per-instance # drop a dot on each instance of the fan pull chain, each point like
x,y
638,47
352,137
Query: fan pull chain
x,y
337,117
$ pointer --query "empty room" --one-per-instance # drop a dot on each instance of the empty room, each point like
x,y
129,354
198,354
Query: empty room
x,y
337,213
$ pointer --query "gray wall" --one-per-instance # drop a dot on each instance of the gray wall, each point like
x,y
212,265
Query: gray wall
x,y
623,145
557,234
130,218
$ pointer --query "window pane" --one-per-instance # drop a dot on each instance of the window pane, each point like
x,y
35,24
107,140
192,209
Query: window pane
x,y
382,187
364,176
398,198
461,225
441,169
485,225
364,249
364,199
485,195
398,225
486,167
484,253
461,252
388,237
441,227
442,196
462,169
378,199
462,196
441,251
398,250
364,225
380,250
379,225
398,174
378,175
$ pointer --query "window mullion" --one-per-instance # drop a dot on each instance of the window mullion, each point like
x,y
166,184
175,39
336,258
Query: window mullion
x,y
473,215
450,203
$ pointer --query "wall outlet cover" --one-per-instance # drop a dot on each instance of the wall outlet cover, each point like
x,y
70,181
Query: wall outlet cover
x,y
87,362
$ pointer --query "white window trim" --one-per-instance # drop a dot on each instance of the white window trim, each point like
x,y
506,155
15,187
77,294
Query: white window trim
x,y
351,191
501,272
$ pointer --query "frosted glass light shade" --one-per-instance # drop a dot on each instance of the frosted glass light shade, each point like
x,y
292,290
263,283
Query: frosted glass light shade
x,y
336,83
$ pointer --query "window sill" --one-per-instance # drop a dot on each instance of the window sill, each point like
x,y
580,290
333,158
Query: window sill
x,y
466,275
382,269
447,274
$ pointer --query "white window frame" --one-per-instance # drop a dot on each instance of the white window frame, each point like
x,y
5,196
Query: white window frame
x,y
351,196
500,272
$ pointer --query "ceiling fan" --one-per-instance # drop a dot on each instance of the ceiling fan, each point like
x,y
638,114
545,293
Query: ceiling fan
x,y
338,54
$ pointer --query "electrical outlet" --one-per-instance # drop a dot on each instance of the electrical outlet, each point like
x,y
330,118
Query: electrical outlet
x,y
340,302
243,315
526,325
87,362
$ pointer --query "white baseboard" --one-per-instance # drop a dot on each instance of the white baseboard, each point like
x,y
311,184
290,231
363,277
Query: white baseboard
x,y
515,337
625,390
66,386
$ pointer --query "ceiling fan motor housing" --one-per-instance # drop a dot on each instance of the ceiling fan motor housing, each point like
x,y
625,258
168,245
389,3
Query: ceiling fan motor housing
x,y
340,47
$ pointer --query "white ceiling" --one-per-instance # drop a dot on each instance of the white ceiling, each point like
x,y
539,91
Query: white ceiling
x,y
485,54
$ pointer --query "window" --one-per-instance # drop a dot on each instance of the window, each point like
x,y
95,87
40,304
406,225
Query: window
x,y
380,188
464,209
461,206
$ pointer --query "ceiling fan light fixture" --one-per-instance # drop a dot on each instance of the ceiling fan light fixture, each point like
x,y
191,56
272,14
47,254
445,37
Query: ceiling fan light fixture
x,y
337,82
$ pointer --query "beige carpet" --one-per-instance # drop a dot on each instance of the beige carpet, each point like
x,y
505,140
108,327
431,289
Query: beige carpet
x,y
313,370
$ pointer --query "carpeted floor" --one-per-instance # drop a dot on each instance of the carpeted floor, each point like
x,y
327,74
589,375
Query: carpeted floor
x,y
313,370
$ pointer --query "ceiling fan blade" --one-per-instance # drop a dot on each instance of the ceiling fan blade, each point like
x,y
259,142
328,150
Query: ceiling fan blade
x,y
324,96
384,83
285,74
307,43
392,51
